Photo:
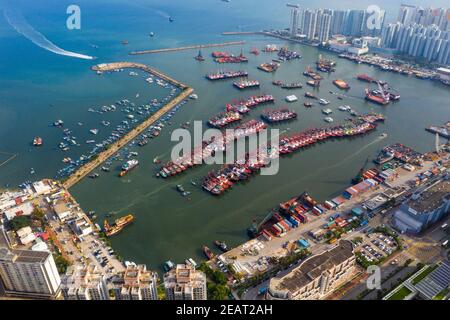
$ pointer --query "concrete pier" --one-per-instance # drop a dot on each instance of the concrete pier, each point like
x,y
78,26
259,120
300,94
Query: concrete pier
x,y
199,46
116,146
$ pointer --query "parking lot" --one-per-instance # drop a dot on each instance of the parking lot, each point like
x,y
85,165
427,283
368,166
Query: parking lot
x,y
376,246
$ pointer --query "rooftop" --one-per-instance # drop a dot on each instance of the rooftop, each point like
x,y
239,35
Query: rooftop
x,y
24,256
436,281
313,267
431,198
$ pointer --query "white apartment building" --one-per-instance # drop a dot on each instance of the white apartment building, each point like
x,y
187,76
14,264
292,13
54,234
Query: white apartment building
x,y
84,283
185,283
27,273
137,283
316,277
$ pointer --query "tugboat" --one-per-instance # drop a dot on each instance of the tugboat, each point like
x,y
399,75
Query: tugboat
x,y
207,252
199,57
128,166
118,225
156,160
37,141
221,245
254,51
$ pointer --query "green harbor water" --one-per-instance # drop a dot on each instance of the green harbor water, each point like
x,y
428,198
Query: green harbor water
x,y
168,226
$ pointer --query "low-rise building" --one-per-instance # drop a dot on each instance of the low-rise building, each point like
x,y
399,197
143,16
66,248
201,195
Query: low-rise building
x,y
26,235
185,283
20,209
81,226
62,210
317,276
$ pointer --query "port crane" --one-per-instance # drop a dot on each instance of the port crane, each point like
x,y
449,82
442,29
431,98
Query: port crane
x,y
358,177
386,98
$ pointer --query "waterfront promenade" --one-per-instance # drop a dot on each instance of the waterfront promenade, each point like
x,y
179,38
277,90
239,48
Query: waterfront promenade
x,y
199,46
116,146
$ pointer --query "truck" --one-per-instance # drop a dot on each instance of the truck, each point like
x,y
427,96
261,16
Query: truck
x,y
303,243
334,216
262,290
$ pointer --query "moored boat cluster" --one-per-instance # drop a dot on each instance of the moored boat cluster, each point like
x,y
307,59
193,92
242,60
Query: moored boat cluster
x,y
217,182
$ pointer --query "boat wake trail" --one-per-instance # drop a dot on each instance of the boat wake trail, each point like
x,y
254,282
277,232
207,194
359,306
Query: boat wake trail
x,y
20,24
160,13
353,154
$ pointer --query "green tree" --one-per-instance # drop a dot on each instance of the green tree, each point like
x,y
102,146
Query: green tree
x,y
218,292
38,214
61,263
20,222
219,278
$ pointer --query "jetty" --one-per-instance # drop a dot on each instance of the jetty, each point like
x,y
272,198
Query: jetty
x,y
199,46
116,146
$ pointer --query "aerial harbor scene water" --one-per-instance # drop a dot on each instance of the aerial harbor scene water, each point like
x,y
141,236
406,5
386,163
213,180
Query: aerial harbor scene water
x,y
95,119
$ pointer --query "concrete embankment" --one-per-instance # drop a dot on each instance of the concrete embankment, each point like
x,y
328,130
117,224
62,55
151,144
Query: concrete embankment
x,y
199,46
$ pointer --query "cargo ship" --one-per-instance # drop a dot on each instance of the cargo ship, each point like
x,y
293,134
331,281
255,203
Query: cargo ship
x,y
208,148
223,57
208,253
311,74
285,55
37,141
372,117
384,157
118,225
199,57
310,95
365,77
219,181
269,67
244,84
325,65
341,84
221,245
313,83
128,166
278,115
399,152
226,75
254,51
373,97
293,85
243,106
224,118
286,85
270,48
